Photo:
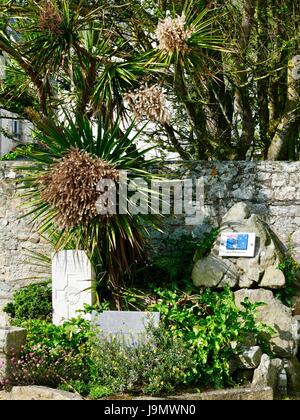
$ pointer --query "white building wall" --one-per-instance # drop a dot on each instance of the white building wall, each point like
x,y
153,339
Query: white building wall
x,y
23,134
20,129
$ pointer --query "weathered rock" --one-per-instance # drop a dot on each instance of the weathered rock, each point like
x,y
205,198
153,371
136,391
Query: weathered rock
x,y
35,238
212,271
250,358
273,278
4,320
296,321
11,340
248,355
216,271
267,251
292,367
254,295
4,395
37,393
284,343
267,373
23,237
282,384
233,394
251,267
239,211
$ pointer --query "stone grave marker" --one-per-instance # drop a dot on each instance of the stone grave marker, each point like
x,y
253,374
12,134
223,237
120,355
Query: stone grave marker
x,y
128,326
72,284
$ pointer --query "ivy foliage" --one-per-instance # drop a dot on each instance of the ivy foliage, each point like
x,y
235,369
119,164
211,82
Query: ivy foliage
x,y
211,325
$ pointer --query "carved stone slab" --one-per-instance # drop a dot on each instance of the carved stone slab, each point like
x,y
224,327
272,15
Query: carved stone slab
x,y
72,284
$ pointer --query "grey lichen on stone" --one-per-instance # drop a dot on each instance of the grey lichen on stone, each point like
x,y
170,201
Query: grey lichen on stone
x,y
267,373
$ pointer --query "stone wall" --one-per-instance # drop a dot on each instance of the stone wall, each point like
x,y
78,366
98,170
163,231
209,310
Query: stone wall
x,y
271,189
11,341
17,237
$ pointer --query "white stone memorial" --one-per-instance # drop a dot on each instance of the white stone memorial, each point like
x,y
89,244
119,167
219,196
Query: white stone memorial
x,y
130,327
72,284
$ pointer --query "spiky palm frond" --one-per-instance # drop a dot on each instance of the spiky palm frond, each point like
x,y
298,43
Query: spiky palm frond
x,y
183,39
54,31
78,55
114,244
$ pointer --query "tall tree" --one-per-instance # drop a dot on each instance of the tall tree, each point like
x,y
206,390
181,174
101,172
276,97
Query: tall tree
x,y
228,77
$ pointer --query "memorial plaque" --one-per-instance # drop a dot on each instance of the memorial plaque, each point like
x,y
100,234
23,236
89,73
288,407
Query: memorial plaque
x,y
72,281
130,327
237,244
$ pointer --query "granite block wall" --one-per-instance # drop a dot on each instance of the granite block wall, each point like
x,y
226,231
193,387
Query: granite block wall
x,y
271,189
17,237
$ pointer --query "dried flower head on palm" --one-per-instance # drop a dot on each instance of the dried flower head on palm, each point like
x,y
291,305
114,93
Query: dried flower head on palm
x,y
50,19
150,103
173,34
70,187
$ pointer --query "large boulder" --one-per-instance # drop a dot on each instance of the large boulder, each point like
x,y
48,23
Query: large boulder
x,y
284,343
261,270
212,271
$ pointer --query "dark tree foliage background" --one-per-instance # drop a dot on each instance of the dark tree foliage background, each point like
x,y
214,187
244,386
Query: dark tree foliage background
x,y
234,90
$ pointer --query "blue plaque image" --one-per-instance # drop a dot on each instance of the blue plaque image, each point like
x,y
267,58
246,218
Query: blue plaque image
x,y
237,242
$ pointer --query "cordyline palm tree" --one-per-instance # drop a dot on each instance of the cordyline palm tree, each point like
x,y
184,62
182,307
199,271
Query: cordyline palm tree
x,y
60,193
87,57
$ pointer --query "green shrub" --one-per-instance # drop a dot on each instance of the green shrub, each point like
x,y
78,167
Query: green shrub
x,y
72,358
290,269
93,391
53,354
174,263
156,367
98,391
74,335
192,347
31,302
173,266
204,246
208,324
